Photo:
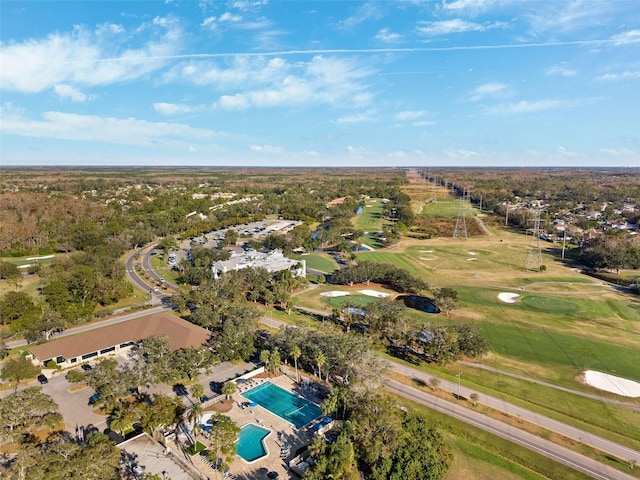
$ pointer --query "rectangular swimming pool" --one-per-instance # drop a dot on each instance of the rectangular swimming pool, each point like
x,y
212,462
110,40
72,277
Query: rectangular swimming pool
x,y
292,408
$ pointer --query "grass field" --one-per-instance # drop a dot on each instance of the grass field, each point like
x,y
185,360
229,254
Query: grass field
x,y
318,261
561,324
370,220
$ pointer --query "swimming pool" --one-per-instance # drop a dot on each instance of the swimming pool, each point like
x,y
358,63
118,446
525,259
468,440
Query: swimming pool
x,y
250,444
292,408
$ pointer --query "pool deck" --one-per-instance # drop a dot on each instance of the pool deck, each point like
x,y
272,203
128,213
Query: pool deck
x,y
258,415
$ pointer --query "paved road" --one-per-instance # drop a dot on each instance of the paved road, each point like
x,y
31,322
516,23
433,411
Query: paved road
x,y
576,461
595,441
546,448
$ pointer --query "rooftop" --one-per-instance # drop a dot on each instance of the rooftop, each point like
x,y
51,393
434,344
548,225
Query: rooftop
x,y
181,334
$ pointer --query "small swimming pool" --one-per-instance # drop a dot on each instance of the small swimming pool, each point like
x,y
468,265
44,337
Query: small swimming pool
x,y
292,408
250,444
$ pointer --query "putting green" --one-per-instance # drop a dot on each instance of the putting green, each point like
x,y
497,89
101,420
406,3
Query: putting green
x,y
549,304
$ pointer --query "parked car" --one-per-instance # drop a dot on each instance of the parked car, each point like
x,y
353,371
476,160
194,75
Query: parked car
x,y
43,379
86,367
94,398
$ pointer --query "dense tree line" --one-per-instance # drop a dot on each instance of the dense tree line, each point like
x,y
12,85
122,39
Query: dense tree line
x,y
385,273
387,324
613,251
73,287
69,212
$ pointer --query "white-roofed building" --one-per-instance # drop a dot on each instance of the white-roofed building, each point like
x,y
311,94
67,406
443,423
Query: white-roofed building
x,y
273,261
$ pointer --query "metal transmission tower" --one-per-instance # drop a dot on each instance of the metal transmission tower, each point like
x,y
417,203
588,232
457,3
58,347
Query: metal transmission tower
x,y
534,255
461,222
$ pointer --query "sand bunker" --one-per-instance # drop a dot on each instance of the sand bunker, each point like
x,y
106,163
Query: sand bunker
x,y
507,297
40,258
471,259
472,253
374,293
427,259
426,251
611,383
334,293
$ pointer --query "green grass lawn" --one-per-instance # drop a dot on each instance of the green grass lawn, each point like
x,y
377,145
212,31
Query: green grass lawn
x,y
195,449
318,261
448,207
164,270
370,220
398,259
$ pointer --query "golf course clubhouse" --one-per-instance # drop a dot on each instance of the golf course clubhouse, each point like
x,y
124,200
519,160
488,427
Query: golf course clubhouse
x,y
113,339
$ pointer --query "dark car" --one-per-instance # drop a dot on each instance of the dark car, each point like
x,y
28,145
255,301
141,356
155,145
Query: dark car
x,y
94,398
86,367
43,379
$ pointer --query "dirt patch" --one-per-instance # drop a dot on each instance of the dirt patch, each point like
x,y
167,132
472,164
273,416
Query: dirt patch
x,y
221,407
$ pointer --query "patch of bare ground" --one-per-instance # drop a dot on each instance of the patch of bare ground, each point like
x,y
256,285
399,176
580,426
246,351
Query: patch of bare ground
x,y
223,406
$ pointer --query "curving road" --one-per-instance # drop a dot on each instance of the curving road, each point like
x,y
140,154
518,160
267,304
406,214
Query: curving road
x,y
544,447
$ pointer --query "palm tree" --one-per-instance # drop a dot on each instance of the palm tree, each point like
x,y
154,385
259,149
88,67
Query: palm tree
x,y
197,391
320,359
195,413
228,389
264,358
295,354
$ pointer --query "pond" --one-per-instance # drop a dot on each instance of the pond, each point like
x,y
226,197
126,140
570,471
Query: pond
x,y
418,302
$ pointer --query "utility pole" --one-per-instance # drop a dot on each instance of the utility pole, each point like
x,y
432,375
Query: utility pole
x,y
506,218
458,375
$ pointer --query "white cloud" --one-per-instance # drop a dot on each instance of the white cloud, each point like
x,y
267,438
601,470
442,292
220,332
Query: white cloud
x,y
386,36
174,108
230,17
456,25
561,69
248,5
527,107
234,102
366,11
261,82
209,22
626,38
270,149
492,90
93,128
469,6
109,29
78,58
626,75
71,93
568,16
408,115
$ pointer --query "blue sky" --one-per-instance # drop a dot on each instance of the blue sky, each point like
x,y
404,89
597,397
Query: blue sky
x,y
330,83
